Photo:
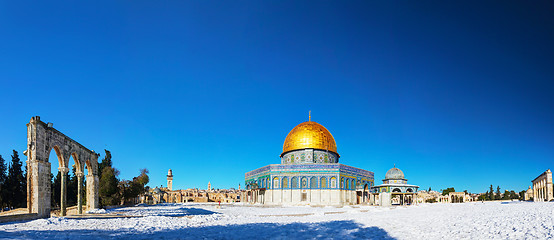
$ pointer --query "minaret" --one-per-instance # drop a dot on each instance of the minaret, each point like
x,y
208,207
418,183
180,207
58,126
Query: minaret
x,y
170,180
239,186
209,186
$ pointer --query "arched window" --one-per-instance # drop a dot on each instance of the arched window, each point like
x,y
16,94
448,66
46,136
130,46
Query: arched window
x,y
294,182
313,182
333,182
323,182
304,182
275,182
285,182
353,185
347,183
341,182
396,190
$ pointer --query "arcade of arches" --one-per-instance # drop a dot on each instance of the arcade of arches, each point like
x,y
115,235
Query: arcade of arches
x,y
41,139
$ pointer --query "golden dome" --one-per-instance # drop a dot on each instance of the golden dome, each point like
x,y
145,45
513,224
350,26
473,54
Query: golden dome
x,y
309,135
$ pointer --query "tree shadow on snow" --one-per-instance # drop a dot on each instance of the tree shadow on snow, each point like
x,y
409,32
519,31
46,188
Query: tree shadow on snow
x,y
324,230
177,212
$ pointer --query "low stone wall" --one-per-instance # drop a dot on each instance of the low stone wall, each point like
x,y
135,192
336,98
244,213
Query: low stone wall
x,y
19,217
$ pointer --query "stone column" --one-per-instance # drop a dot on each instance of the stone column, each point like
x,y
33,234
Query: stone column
x,y
542,190
79,192
63,173
38,184
535,192
92,192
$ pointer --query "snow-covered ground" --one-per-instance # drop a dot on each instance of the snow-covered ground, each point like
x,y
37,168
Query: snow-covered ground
x,y
490,220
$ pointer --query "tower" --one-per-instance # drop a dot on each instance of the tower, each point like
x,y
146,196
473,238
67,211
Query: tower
x,y
209,186
170,180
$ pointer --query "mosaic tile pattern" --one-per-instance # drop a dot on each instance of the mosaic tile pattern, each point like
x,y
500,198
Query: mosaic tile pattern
x,y
309,176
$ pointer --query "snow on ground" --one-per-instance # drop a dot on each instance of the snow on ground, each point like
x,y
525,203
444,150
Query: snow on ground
x,y
490,220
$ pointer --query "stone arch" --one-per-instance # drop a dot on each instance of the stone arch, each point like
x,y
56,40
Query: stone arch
x,y
396,190
323,182
285,182
78,163
294,182
41,139
304,183
313,182
275,182
59,154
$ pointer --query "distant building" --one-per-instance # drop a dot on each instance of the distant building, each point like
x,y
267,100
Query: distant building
x,y
168,195
428,196
543,188
529,194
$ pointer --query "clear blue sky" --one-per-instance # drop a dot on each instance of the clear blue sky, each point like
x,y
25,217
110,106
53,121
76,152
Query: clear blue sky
x,y
454,94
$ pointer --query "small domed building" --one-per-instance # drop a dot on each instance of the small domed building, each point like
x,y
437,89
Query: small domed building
x,y
395,189
309,173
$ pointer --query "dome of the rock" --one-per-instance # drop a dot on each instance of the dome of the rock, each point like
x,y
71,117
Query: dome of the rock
x,y
309,135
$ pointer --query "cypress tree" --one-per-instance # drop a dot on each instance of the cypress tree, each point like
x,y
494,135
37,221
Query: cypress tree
x,y
3,180
497,197
106,162
108,187
16,183
72,188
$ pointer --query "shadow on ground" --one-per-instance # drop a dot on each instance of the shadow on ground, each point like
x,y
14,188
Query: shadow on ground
x,y
178,211
325,230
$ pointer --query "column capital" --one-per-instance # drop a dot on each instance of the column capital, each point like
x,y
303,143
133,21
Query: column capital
x,y
79,174
63,170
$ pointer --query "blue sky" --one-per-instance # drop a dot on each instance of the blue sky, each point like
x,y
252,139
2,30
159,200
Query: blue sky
x,y
455,94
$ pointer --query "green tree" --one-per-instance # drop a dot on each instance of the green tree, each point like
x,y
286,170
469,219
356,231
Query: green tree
x,y
56,189
3,181
522,195
71,197
506,195
132,189
447,191
109,187
483,197
497,195
514,195
106,162
429,189
491,193
16,182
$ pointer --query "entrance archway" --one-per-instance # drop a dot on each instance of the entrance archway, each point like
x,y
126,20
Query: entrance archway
x,y
41,139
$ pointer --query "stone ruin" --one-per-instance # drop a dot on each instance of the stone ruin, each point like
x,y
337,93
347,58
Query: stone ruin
x,y
41,139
